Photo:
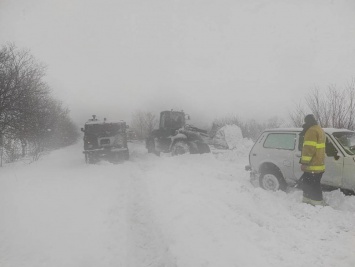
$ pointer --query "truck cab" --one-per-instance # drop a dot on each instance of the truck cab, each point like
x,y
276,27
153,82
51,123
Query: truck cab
x,y
105,140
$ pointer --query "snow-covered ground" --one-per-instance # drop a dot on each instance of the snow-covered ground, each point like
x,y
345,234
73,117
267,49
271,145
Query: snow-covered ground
x,y
187,211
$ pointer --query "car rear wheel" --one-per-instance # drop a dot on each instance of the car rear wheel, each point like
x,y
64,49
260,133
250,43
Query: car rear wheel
x,y
272,182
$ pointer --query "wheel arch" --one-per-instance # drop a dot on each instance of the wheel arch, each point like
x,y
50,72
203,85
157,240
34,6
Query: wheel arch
x,y
270,167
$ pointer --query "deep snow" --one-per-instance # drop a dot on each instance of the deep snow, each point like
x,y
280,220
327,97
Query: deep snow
x,y
190,210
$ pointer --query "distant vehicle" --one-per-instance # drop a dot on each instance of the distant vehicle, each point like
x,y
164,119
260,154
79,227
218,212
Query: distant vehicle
x,y
176,137
105,140
274,159
131,135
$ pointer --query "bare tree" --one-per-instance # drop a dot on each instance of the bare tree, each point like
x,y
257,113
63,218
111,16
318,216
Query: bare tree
x,y
297,117
350,92
319,106
27,111
143,123
332,108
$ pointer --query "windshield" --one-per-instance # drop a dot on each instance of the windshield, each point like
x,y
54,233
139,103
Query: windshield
x,y
172,120
347,140
177,120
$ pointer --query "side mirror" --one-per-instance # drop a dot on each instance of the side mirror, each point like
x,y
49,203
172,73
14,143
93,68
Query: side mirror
x,y
187,117
82,129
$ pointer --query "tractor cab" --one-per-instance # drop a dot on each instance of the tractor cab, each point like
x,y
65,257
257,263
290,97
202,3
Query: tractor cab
x,y
172,120
175,136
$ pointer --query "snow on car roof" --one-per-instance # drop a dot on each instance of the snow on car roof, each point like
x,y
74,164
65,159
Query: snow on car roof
x,y
327,130
104,122
284,129
334,130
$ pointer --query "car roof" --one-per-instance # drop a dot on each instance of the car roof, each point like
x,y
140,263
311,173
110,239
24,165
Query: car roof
x,y
104,122
327,130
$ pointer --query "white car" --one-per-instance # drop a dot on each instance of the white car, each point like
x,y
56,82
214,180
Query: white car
x,y
274,159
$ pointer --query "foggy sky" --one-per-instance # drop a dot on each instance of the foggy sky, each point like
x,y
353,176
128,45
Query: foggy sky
x,y
211,58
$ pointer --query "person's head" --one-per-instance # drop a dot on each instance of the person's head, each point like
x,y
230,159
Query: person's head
x,y
310,119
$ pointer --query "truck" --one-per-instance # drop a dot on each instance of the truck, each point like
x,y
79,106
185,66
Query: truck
x,y
105,140
176,137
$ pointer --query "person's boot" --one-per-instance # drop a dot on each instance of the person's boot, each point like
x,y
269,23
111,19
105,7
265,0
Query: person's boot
x,y
314,202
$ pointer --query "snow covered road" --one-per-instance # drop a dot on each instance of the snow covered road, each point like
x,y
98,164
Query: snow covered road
x,y
191,210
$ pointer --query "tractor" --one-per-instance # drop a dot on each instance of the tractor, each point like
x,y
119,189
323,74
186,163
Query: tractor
x,y
105,140
176,137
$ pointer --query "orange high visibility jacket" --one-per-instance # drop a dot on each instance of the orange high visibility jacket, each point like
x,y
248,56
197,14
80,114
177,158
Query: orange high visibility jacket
x,y
313,150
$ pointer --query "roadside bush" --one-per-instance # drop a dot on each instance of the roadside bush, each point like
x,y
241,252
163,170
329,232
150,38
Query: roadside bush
x,y
29,116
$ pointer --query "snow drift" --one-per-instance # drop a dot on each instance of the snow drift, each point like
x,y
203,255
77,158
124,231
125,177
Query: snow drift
x,y
228,137
190,210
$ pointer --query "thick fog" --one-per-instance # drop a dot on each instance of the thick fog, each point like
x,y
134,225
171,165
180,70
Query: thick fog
x,y
254,59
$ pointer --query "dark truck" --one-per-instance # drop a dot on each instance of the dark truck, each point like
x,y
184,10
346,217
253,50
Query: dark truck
x,y
176,137
105,140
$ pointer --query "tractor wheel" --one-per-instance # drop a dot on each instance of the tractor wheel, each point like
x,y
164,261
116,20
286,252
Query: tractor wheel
x,y
180,148
203,148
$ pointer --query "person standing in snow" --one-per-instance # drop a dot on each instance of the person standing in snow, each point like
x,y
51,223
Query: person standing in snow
x,y
312,160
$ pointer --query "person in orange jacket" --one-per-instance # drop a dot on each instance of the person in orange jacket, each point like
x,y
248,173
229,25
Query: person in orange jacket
x,y
312,161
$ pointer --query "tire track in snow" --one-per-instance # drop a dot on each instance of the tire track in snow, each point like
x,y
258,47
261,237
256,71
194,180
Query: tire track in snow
x,y
146,244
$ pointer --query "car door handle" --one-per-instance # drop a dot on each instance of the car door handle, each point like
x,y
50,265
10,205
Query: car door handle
x,y
254,154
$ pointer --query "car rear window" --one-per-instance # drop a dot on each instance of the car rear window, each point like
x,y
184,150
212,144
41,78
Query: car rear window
x,y
280,141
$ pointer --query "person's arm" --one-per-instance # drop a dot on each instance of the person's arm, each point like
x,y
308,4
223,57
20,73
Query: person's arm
x,y
309,146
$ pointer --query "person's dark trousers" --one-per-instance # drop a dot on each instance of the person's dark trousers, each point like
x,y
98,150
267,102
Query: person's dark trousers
x,y
311,186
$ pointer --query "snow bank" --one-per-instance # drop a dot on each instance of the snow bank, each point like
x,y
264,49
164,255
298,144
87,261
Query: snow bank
x,y
239,154
228,137
229,144
188,211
